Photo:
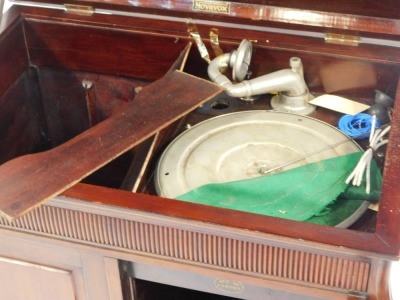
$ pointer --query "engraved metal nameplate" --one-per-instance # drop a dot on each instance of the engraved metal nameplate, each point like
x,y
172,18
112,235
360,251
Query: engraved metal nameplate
x,y
229,286
212,6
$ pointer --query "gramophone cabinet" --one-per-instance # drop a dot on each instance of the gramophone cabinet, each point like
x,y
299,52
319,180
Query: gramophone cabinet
x,y
67,67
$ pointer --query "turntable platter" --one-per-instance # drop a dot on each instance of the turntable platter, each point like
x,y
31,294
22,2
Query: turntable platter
x,y
244,145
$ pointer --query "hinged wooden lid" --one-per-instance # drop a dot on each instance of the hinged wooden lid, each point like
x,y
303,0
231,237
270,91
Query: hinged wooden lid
x,y
378,19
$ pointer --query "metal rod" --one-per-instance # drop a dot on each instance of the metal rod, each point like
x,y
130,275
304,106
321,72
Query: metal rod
x,y
1,10
306,156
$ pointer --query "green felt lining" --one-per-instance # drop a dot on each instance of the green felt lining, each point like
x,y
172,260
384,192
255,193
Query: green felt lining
x,y
306,193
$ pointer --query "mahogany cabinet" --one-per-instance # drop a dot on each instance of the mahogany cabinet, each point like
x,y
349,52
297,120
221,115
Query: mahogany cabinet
x,y
68,67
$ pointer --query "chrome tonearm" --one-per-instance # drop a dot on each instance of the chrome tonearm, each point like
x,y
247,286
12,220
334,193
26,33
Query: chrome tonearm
x,y
293,92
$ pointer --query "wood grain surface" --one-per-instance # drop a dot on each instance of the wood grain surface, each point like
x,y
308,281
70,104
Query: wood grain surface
x,y
27,181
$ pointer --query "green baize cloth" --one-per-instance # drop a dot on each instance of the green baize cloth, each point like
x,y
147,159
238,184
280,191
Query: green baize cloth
x,y
298,194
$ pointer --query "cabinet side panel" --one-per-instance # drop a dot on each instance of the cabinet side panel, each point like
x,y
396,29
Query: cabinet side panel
x,y
13,56
101,49
23,128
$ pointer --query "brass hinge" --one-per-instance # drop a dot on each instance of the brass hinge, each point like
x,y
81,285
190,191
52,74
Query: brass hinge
x,y
81,10
342,39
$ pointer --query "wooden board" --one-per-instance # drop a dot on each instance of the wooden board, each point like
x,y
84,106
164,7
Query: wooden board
x,y
28,181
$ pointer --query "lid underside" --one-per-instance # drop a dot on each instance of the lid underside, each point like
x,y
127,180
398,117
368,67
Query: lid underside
x,y
368,16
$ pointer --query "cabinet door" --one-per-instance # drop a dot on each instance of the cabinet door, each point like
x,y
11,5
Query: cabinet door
x,y
27,281
40,268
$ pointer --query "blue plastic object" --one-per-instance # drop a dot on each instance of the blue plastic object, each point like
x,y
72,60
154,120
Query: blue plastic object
x,y
358,126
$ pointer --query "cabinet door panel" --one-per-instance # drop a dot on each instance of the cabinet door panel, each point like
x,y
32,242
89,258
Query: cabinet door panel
x,y
27,281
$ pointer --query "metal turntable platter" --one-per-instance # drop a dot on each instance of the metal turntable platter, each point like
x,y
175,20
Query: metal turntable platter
x,y
244,145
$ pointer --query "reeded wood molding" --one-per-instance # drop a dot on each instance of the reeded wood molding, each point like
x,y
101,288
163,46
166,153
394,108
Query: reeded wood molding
x,y
240,251
350,241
